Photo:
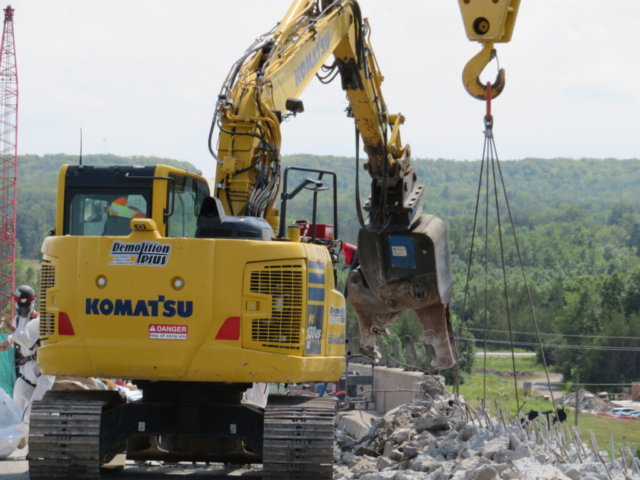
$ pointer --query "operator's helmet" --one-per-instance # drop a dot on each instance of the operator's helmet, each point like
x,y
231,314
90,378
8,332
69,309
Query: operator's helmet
x,y
25,298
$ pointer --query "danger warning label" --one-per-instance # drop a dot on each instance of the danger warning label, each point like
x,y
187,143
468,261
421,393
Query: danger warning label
x,y
168,332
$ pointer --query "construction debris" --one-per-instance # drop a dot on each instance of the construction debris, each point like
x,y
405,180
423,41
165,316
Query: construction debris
x,y
443,438
586,401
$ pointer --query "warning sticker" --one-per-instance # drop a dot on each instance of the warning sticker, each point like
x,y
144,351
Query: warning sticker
x,y
338,316
168,332
398,251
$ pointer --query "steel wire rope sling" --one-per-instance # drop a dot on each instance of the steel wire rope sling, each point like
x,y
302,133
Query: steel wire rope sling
x,y
489,23
491,169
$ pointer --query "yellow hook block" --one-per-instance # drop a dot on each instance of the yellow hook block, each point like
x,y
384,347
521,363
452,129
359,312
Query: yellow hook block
x,y
473,69
487,22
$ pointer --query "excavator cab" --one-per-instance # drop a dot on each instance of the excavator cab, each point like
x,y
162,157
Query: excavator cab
x,y
102,200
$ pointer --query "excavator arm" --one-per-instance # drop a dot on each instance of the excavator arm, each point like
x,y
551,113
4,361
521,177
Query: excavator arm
x,y
403,254
263,88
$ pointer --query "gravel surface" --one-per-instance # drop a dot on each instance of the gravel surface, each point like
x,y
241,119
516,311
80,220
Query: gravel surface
x,y
17,468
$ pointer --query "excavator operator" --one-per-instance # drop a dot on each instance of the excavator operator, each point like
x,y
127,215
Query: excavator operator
x,y
120,208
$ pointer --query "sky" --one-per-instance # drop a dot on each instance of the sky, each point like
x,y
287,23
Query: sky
x,y
141,77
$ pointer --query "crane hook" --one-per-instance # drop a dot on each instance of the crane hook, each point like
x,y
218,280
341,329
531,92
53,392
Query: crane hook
x,y
473,69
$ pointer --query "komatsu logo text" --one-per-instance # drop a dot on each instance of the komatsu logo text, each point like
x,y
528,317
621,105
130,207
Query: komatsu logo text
x,y
311,60
139,308
142,253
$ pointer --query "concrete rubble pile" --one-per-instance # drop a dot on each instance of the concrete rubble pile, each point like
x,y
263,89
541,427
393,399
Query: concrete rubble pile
x,y
442,438
586,401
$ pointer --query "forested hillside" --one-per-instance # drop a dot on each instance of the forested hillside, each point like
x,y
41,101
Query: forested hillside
x,y
578,224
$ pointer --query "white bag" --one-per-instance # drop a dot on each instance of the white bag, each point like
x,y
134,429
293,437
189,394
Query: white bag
x,y
12,429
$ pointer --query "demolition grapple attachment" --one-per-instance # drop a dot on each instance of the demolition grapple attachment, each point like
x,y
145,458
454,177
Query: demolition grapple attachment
x,y
405,270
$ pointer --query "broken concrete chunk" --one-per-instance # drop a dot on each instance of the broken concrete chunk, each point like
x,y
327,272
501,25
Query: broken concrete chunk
x,y
425,439
467,432
396,455
384,462
463,451
545,472
470,464
484,472
480,439
434,424
341,472
504,456
514,441
509,475
585,471
388,448
497,445
460,424
411,451
406,476
363,467
378,476
349,459
401,436
365,450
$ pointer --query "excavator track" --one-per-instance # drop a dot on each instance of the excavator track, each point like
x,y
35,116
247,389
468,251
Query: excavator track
x,y
298,438
64,437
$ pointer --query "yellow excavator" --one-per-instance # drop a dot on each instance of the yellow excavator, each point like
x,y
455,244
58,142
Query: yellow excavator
x,y
194,296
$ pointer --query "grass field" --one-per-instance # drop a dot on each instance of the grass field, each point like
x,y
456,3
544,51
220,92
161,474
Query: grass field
x,y
502,391
604,427
504,364
31,263
479,348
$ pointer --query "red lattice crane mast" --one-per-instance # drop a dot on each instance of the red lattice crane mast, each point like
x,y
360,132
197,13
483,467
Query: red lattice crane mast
x,y
8,163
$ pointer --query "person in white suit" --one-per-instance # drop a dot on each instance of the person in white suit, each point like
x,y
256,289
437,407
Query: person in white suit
x,y
30,385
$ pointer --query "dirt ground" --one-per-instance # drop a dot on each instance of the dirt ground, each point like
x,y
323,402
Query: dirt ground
x,y
16,467
539,384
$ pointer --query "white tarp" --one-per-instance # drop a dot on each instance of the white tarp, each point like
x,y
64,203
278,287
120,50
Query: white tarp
x,y
12,429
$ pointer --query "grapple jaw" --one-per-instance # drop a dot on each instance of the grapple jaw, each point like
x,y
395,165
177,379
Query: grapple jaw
x,y
406,270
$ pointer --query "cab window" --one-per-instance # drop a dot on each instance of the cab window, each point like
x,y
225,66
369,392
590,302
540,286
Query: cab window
x,y
97,212
187,197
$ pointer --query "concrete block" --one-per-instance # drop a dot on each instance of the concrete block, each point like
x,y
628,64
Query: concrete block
x,y
392,386
357,423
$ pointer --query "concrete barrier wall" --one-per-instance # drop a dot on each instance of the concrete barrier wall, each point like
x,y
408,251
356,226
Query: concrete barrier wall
x,y
392,386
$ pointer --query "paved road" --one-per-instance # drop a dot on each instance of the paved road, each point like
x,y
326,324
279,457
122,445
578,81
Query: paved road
x,y
539,384
16,468
506,354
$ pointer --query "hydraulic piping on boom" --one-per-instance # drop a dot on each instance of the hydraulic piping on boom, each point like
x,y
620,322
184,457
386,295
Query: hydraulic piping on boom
x,y
404,262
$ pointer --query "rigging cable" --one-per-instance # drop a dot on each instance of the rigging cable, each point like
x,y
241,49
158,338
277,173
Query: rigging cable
x,y
515,237
490,159
486,273
493,158
473,236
